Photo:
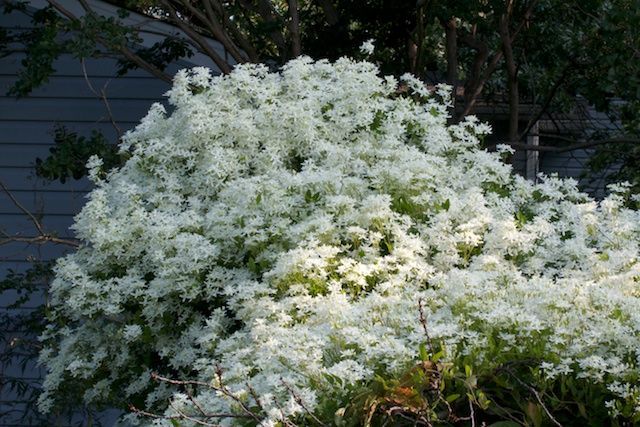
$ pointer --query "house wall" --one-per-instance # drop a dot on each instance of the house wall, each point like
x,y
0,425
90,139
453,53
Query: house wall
x,y
570,164
26,133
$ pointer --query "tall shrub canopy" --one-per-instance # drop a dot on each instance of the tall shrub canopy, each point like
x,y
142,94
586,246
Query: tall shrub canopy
x,y
290,238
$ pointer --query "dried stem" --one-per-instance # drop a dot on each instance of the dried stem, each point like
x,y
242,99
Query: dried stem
x,y
574,146
300,402
103,96
42,237
535,393
423,322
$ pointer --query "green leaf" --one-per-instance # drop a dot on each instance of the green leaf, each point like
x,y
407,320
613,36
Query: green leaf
x,y
424,356
452,397
468,370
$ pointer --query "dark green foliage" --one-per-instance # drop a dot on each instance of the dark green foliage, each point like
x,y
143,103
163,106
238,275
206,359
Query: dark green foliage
x,y
42,49
71,152
88,36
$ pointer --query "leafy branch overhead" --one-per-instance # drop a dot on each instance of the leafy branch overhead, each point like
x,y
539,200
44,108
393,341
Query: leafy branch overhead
x,y
537,57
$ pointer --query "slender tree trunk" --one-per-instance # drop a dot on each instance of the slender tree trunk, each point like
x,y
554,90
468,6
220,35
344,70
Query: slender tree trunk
x,y
294,28
512,78
451,35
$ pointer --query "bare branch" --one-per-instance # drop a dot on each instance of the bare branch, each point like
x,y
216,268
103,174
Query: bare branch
x,y
423,322
126,52
536,394
39,240
268,13
549,98
452,52
416,42
42,237
574,146
219,61
476,83
300,402
131,56
222,389
214,26
472,414
242,40
103,96
22,208
192,419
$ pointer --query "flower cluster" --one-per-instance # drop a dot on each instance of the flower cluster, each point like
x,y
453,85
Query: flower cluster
x,y
282,229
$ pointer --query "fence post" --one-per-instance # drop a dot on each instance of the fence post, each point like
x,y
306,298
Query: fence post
x,y
532,156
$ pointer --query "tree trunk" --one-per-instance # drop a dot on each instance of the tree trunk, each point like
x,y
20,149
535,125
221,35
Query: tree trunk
x,y
512,79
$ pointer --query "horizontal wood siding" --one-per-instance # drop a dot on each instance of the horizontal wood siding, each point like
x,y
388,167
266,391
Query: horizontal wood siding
x,y
573,164
71,87
26,132
67,109
41,132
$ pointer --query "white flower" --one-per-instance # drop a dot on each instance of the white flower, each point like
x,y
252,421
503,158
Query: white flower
x,y
367,47
94,168
283,226
132,332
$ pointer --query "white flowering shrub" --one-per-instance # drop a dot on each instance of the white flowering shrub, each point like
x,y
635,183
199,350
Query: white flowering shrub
x,y
319,244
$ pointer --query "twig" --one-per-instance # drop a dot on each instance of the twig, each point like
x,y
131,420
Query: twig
x,y
222,389
215,28
231,26
187,417
195,403
43,236
472,414
229,394
103,96
536,394
300,402
283,417
197,37
38,240
182,415
423,322
253,394
22,208
132,408
572,147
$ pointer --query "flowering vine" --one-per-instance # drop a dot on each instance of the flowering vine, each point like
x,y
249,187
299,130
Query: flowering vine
x,y
320,231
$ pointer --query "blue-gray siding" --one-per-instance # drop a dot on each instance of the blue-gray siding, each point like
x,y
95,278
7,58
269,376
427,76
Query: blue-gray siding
x,y
26,133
